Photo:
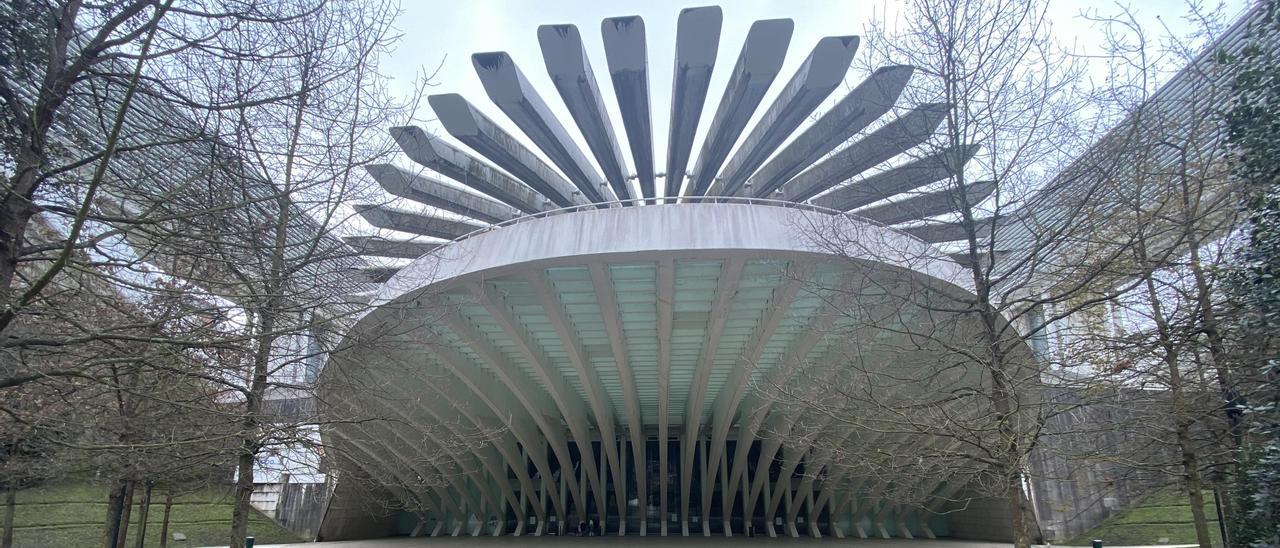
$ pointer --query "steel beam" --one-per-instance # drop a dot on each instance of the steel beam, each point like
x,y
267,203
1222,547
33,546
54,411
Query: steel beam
x,y
919,206
757,66
625,50
570,71
425,190
904,178
452,162
375,246
867,102
510,90
422,225
477,131
821,72
697,41
374,274
949,231
890,140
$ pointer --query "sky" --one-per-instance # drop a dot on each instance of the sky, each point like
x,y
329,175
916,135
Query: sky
x,y
444,34
439,36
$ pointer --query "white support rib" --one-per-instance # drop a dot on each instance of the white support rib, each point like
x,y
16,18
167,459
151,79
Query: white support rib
x,y
726,290
888,141
666,302
622,461
565,401
791,455
596,397
903,178
782,422
450,476
819,325
463,470
570,71
504,446
521,388
820,458
757,66
510,90
452,162
602,282
427,405
373,460
804,447
625,51
768,446
467,124
816,78
725,407
697,41
867,102
426,190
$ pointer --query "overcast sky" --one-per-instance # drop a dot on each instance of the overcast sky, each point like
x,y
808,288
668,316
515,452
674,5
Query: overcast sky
x,y
442,34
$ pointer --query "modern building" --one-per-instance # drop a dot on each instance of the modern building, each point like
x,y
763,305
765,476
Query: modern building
x,y
585,351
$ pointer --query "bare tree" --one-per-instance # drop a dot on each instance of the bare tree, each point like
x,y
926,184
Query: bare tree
x,y
1027,220
197,153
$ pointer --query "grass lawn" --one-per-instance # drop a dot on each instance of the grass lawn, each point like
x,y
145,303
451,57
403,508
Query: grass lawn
x,y
72,515
1165,514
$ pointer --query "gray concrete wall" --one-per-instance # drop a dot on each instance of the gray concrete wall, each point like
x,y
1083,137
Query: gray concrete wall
x,y
1078,474
301,507
353,513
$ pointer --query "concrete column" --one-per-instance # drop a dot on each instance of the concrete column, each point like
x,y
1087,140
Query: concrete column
x,y
768,518
563,473
542,501
724,493
621,488
708,484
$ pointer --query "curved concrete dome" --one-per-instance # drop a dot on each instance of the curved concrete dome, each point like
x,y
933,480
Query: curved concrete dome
x,y
614,365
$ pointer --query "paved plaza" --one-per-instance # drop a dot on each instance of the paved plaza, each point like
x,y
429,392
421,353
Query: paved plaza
x,y
655,542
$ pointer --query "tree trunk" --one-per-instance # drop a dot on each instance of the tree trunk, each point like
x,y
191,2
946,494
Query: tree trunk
x,y
244,489
126,507
10,505
249,433
144,508
1195,488
112,525
1018,517
164,523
